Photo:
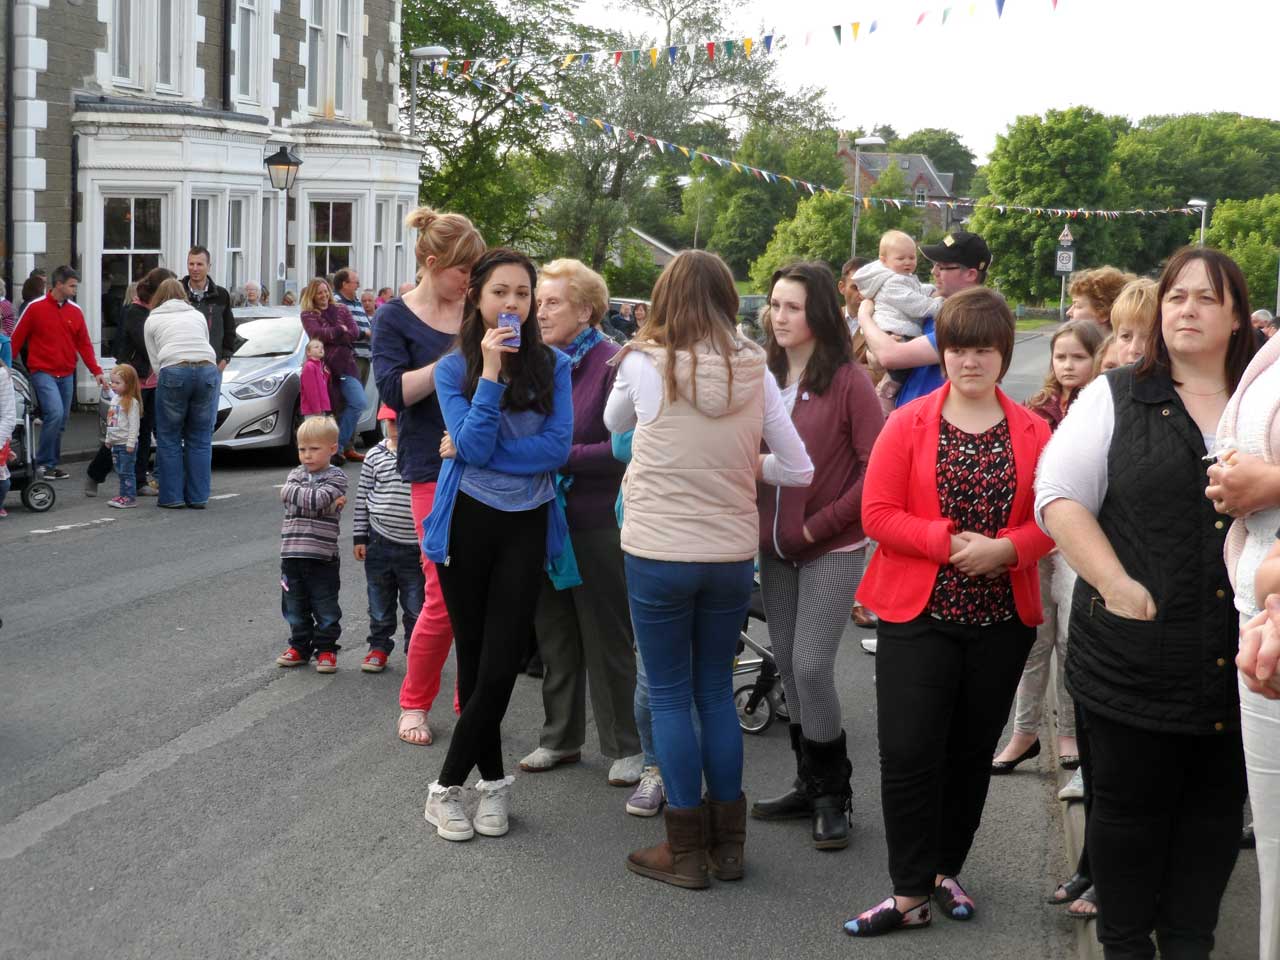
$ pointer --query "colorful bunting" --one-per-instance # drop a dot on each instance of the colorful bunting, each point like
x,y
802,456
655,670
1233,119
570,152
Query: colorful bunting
x,y
856,25
768,40
746,47
671,53
836,28
999,8
711,51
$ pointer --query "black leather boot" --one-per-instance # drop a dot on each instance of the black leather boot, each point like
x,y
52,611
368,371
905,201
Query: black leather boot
x,y
795,804
829,771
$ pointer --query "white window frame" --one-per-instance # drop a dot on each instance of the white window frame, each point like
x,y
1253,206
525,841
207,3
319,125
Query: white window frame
x,y
130,250
381,229
332,86
203,209
922,194
236,266
141,66
353,245
398,261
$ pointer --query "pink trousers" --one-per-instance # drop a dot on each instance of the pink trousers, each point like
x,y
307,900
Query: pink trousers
x,y
432,634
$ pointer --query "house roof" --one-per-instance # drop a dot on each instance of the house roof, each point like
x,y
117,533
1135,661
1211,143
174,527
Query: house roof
x,y
915,167
654,242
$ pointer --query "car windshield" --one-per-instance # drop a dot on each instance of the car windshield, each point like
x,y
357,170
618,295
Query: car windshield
x,y
269,336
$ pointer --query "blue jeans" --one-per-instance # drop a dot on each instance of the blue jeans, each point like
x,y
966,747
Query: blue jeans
x,y
392,569
644,716
309,601
353,400
687,617
186,405
124,463
55,396
4,490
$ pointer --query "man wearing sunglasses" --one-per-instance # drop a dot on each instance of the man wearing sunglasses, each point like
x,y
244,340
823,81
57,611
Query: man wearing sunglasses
x,y
960,261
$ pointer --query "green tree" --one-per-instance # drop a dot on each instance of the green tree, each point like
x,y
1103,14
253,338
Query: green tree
x,y
633,273
1062,159
945,152
1249,231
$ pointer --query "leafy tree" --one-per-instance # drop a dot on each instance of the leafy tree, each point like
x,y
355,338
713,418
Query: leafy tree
x,y
945,152
1062,159
634,273
1249,231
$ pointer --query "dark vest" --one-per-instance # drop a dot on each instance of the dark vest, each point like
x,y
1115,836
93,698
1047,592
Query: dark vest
x,y
1175,674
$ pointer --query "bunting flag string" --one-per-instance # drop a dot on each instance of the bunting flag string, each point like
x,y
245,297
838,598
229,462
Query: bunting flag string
x,y
713,49
692,154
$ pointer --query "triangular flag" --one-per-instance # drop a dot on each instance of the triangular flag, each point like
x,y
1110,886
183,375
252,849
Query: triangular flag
x,y
807,38
711,51
999,8
582,120
836,28
466,66
746,46
653,56
546,107
1055,4
768,43
632,135
608,128
920,19
635,57
736,168
684,150
598,122
946,13
671,53
874,25
617,57
586,59
569,58
444,67
728,48
503,62
856,25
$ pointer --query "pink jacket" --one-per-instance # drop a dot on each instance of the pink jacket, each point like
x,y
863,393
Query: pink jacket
x,y
1270,440
315,388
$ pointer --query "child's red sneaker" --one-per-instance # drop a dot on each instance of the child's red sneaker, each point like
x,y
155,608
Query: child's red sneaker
x,y
375,661
326,662
291,658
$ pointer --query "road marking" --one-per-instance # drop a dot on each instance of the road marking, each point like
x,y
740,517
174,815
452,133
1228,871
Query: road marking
x,y
29,828
73,526
224,496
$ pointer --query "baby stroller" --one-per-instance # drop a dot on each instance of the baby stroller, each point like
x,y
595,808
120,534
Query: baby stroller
x,y
37,494
760,702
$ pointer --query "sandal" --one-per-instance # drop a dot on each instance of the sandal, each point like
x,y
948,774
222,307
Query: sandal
x,y
953,901
413,728
1090,896
1071,890
886,917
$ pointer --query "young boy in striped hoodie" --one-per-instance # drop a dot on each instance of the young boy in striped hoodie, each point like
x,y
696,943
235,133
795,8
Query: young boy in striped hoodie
x,y
313,495
386,541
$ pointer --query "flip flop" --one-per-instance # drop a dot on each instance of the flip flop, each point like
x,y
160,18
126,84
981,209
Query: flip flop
x,y
1071,889
1089,896
414,722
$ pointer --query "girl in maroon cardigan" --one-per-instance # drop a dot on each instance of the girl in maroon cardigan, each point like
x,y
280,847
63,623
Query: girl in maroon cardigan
x,y
811,540
949,496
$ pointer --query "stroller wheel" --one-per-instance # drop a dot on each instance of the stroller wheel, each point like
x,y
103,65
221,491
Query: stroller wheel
x,y
38,496
760,717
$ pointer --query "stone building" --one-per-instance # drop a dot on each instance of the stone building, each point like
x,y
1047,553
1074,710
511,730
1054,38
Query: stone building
x,y
138,128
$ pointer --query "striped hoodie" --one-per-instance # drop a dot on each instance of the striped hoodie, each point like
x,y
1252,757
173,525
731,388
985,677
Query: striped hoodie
x,y
310,528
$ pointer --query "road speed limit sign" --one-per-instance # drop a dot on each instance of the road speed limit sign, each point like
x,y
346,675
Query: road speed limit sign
x,y
1065,261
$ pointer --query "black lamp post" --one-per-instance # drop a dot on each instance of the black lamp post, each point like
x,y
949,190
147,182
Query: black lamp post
x,y
282,167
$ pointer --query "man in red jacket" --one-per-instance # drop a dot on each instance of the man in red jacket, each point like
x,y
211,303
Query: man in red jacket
x,y
53,331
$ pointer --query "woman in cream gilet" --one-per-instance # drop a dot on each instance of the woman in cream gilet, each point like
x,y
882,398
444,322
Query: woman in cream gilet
x,y
697,397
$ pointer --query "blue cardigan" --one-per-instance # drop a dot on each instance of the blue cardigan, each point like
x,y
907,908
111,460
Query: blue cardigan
x,y
473,427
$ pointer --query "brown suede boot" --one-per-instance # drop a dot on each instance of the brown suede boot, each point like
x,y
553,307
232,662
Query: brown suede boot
x,y
681,859
728,835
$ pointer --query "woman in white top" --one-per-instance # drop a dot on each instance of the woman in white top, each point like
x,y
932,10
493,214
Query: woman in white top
x,y
699,401
177,338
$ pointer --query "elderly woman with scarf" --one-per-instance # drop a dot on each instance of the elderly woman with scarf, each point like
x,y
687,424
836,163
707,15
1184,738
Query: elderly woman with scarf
x,y
584,633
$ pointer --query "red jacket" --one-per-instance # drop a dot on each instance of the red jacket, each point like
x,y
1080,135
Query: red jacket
x,y
900,509
53,335
839,429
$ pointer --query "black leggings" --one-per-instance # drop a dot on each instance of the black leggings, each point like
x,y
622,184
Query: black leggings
x,y
943,693
1163,834
490,587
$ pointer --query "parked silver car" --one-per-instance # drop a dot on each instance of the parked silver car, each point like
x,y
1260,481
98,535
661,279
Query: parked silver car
x,y
258,405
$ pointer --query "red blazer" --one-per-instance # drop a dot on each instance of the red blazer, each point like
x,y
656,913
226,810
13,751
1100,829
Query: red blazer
x,y
900,510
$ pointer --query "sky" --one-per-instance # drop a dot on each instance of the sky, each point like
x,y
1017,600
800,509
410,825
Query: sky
x,y
977,73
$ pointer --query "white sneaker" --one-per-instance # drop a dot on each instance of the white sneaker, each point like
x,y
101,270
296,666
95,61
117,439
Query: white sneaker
x,y
495,800
544,759
1074,789
626,771
445,812
868,644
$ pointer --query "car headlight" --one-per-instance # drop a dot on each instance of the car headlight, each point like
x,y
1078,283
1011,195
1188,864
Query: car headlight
x,y
261,387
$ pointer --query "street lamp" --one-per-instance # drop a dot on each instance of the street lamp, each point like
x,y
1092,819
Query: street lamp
x,y
858,144
282,167
418,54
1201,205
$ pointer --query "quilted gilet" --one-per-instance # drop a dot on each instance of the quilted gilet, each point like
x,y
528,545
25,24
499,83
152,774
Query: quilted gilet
x,y
1176,673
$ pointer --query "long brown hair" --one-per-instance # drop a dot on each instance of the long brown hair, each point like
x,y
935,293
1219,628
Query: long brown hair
x,y
1090,336
1225,277
530,372
308,299
834,344
694,301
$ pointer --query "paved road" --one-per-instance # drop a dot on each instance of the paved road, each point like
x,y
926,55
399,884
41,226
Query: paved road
x,y
166,791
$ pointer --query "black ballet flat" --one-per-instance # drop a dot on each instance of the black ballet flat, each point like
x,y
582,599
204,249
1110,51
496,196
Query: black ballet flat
x,y
1001,767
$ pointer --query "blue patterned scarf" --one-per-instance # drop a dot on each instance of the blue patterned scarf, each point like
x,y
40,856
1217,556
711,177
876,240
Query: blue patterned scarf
x,y
582,345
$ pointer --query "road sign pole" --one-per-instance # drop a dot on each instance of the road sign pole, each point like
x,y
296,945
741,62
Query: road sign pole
x,y
1062,301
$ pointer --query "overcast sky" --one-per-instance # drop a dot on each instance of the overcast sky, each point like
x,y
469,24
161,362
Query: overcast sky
x,y
976,74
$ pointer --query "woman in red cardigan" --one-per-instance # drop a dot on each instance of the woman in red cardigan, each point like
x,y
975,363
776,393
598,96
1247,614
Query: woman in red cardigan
x,y
949,495
811,540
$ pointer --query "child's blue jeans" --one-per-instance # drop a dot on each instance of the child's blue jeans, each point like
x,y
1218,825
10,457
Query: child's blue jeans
x,y
125,464
309,601
687,618
392,570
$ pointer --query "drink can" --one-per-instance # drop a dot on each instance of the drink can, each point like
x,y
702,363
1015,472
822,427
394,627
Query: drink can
x,y
513,321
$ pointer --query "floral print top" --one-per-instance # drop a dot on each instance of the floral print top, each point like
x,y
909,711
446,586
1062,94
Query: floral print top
x,y
976,484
